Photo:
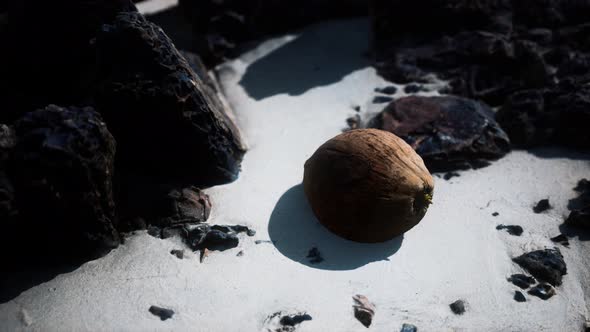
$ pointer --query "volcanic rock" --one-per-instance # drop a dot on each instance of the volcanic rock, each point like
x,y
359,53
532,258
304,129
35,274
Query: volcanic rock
x,y
458,307
215,237
546,265
449,133
163,313
519,296
511,229
155,105
543,291
521,280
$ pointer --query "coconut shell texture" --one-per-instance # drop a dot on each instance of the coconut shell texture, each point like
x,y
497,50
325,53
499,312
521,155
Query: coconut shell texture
x,y
367,185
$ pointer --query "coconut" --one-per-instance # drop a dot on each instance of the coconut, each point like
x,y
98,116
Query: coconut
x,y
367,185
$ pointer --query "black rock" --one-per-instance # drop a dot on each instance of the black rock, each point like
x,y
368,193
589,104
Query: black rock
x,y
61,168
187,205
458,307
512,229
353,122
388,90
178,253
381,99
156,105
495,214
542,205
543,291
315,256
449,133
293,320
561,239
521,280
408,328
545,265
356,108
579,218
519,296
215,237
450,175
412,88
163,313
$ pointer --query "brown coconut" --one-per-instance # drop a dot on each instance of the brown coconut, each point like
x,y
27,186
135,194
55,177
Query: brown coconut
x,y
367,185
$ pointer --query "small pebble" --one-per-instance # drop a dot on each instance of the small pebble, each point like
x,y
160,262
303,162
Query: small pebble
x,y
561,239
353,122
543,291
542,205
409,328
240,253
293,320
521,280
356,108
163,313
412,88
315,256
381,99
458,307
495,214
178,253
388,90
512,229
363,310
519,296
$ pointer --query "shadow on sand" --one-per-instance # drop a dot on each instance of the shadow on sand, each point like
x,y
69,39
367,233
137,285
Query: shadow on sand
x,y
294,230
319,56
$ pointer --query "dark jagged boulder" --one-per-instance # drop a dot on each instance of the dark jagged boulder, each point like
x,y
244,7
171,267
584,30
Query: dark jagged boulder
x,y
579,216
545,265
61,169
448,132
166,122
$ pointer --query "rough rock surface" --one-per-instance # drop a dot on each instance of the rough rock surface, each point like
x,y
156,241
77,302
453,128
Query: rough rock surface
x,y
458,307
155,105
448,132
61,169
364,310
215,237
532,58
546,265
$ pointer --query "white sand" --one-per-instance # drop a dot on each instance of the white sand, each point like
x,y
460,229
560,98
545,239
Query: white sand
x,y
454,253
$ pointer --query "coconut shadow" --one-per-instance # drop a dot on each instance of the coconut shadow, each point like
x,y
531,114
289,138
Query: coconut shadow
x,y
294,230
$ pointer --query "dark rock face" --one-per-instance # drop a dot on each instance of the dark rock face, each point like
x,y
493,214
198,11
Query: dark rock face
x,y
546,265
216,237
449,133
521,280
458,307
532,58
61,169
220,26
156,106
511,229
580,206
163,313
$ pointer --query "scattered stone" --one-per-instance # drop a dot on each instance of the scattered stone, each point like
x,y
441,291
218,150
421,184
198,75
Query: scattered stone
x,y
519,296
545,265
240,253
188,205
543,291
381,99
542,206
512,229
449,133
458,307
561,239
388,90
215,237
61,169
356,108
450,175
495,214
315,256
293,320
363,310
521,280
412,88
163,313
408,328
178,253
353,122
147,85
